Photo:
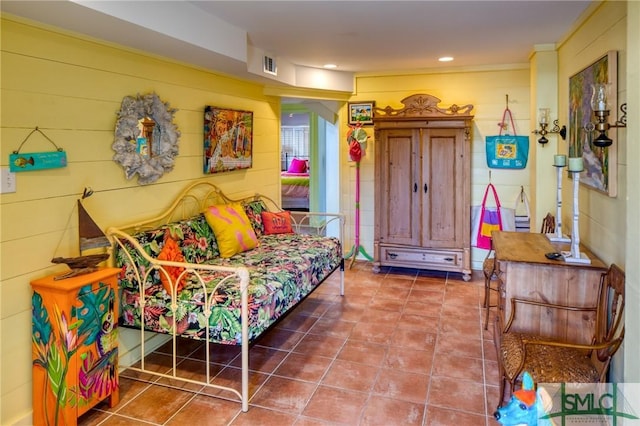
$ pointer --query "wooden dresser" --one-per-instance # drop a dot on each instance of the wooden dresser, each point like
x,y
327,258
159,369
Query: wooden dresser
x,y
526,273
422,186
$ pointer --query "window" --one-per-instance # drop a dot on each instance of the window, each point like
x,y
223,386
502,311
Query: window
x,y
294,143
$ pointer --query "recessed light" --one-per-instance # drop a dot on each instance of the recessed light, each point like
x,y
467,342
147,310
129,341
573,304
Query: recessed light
x,y
446,59
330,66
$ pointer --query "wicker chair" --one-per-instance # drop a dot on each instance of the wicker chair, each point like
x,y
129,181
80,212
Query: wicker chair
x,y
552,361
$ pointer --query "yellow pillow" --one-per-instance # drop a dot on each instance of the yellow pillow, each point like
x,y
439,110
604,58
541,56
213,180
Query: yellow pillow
x,y
232,228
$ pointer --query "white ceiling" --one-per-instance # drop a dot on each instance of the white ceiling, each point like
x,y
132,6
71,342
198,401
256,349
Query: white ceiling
x,y
363,36
358,36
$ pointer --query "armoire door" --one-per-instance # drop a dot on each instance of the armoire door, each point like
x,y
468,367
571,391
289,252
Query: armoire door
x,y
442,188
400,178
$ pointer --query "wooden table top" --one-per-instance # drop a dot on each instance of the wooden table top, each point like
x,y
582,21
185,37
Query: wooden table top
x,y
530,247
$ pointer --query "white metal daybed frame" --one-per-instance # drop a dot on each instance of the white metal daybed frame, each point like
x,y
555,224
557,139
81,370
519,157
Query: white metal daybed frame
x,y
189,203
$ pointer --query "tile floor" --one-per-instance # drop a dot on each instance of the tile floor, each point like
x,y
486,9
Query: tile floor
x,y
402,347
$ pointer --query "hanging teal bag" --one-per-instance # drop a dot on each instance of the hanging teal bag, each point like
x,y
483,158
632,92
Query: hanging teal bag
x,y
506,151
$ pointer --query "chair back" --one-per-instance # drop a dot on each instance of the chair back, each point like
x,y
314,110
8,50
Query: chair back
x,y
548,224
490,263
610,315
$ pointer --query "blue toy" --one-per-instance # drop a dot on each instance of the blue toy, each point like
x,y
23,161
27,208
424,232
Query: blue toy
x,y
526,406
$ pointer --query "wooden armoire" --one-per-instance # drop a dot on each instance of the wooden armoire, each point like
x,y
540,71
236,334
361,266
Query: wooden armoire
x,y
422,183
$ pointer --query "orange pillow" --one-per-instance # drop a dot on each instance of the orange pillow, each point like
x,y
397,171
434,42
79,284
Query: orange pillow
x,y
232,228
171,251
277,223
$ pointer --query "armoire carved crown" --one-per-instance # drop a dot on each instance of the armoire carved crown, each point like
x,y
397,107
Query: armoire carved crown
x,y
422,105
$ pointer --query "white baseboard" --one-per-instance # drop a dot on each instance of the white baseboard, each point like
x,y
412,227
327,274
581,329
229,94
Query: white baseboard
x,y
24,421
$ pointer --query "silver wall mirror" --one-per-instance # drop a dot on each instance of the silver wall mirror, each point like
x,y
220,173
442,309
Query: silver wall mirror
x,y
146,139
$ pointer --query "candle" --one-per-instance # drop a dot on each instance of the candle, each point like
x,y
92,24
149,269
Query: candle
x,y
599,96
576,164
544,116
559,160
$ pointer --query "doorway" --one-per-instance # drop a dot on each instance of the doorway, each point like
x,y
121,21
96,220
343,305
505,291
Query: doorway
x,y
309,160
295,161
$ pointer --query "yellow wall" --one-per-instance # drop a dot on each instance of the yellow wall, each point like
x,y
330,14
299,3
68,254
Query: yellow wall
x,y
632,267
603,219
588,43
71,88
486,90
544,94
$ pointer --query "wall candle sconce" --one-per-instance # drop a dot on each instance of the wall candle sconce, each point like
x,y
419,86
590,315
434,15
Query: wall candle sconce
x,y
576,165
543,120
559,162
600,106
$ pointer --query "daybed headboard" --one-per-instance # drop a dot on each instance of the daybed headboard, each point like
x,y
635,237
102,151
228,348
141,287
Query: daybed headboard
x,y
201,194
189,203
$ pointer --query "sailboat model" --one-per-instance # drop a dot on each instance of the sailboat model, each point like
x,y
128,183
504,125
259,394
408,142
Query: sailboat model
x,y
91,237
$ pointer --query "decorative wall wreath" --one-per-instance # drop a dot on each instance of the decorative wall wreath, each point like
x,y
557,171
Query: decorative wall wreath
x,y
146,139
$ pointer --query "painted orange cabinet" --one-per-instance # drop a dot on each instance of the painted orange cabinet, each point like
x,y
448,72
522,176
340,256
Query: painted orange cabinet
x,y
74,345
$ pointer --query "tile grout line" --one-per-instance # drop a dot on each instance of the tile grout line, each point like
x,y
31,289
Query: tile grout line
x,y
302,416
450,284
371,392
484,364
433,358
289,352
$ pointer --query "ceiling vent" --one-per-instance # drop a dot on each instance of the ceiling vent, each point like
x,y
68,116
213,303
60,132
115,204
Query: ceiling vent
x,y
270,65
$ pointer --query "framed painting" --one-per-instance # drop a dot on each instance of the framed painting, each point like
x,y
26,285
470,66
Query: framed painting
x,y
228,139
361,112
600,164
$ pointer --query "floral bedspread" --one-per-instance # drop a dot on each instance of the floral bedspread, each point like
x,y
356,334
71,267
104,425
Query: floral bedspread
x,y
284,268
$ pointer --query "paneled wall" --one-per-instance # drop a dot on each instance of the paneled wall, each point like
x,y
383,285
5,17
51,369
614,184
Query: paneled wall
x,y
603,219
71,88
632,268
588,43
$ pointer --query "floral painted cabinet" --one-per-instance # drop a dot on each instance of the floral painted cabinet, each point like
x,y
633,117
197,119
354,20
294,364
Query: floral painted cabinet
x,y
74,345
